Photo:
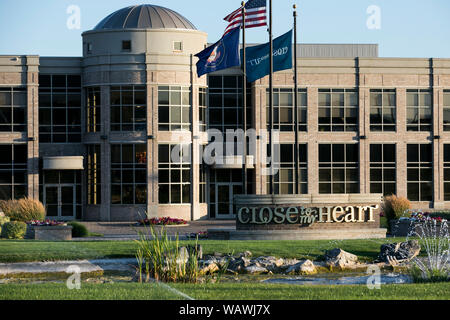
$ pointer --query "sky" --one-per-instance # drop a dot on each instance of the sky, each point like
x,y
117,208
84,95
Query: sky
x,y
402,28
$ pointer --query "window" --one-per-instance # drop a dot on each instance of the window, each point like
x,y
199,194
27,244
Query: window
x,y
338,110
446,110
94,177
126,45
128,108
419,110
13,107
446,172
89,48
13,171
283,109
174,107
202,181
284,180
178,46
202,109
93,103
383,169
420,172
174,175
128,174
225,102
383,110
338,168
60,108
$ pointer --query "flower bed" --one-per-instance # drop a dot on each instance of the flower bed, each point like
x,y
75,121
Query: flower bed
x,y
410,226
48,230
166,221
199,235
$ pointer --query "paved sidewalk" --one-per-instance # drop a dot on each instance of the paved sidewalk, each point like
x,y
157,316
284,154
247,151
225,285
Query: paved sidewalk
x,y
129,230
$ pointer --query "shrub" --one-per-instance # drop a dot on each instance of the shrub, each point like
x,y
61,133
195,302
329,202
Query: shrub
x,y
78,230
3,220
396,207
24,210
14,230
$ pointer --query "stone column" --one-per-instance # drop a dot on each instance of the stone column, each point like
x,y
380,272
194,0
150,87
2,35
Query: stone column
x,y
313,146
32,82
364,144
438,146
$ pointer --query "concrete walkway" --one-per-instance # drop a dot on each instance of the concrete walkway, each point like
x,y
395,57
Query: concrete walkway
x,y
129,230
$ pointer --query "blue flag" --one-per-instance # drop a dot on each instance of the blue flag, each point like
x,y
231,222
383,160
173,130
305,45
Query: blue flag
x,y
221,55
258,64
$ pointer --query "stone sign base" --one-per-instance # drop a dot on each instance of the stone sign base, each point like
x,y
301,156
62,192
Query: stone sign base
x,y
328,234
55,233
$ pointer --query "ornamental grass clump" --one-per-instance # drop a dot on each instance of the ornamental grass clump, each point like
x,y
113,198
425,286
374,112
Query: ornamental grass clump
x,y
24,210
396,207
161,259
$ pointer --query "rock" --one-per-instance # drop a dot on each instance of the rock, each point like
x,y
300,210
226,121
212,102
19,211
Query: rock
x,y
270,263
209,267
399,252
247,254
303,267
196,249
254,269
2,214
183,255
238,264
218,254
340,258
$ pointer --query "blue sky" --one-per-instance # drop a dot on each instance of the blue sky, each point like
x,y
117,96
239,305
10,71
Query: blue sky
x,y
414,28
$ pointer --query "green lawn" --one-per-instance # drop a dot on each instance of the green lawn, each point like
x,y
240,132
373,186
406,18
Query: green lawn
x,y
27,250
222,291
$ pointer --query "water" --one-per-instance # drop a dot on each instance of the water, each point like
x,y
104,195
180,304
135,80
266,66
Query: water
x,y
434,238
391,278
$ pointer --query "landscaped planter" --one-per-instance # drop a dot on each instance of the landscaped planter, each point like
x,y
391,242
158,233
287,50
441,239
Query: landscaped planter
x,y
49,233
403,228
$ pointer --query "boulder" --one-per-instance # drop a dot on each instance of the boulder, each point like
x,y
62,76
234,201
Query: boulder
x,y
209,267
340,258
196,249
303,267
255,269
183,255
247,254
270,263
400,252
238,264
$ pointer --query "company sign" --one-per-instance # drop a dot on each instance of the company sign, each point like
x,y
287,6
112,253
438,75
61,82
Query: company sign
x,y
306,216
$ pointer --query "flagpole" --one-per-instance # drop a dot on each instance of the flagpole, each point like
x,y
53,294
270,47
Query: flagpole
x,y
296,147
244,103
271,191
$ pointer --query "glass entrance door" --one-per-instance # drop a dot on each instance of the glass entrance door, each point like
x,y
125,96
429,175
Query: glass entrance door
x,y
60,202
225,208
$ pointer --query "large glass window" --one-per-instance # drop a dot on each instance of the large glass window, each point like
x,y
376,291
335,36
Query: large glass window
x,y
284,180
283,109
13,171
446,110
338,168
128,108
13,107
225,102
420,172
93,109
202,109
338,110
383,104
419,110
94,181
59,108
174,174
174,107
128,174
446,172
383,169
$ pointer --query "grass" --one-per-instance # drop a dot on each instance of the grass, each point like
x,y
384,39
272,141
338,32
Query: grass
x,y
29,251
222,291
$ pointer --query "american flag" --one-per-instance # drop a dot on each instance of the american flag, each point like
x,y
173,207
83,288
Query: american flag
x,y
255,16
